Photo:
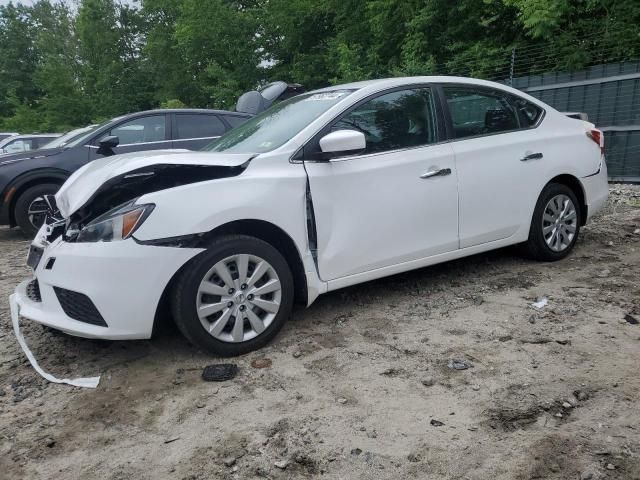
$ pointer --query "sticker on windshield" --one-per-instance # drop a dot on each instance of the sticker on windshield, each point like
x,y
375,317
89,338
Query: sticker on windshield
x,y
326,96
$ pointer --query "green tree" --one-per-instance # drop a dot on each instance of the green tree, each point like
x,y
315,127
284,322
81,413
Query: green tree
x,y
18,58
218,41
62,67
62,104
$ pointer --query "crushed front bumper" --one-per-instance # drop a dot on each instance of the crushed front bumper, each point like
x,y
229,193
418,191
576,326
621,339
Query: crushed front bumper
x,y
123,280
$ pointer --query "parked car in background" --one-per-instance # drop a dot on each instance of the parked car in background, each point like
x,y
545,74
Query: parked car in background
x,y
324,190
25,143
4,135
28,177
257,101
67,137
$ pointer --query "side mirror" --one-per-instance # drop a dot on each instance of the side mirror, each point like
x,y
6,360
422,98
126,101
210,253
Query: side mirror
x,y
110,141
107,144
343,142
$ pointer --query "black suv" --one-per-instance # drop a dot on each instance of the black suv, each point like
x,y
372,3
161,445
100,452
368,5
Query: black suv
x,y
28,178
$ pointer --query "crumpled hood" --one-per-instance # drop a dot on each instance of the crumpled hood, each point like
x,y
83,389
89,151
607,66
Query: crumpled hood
x,y
86,181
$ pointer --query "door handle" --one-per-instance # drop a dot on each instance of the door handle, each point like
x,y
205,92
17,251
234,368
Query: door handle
x,y
532,156
436,173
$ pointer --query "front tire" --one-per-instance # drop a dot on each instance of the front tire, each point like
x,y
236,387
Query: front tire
x,y
31,209
555,224
234,297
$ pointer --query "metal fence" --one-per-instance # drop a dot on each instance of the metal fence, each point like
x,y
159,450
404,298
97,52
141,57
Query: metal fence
x,y
610,95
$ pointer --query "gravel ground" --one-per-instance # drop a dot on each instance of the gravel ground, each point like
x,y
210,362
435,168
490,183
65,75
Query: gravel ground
x,y
359,384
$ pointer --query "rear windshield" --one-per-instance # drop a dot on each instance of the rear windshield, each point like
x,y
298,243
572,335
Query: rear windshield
x,y
277,125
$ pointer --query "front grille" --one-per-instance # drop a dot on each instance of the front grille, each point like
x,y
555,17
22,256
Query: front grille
x,y
33,291
79,307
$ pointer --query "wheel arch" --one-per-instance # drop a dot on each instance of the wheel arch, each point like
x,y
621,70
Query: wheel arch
x,y
20,184
261,229
576,187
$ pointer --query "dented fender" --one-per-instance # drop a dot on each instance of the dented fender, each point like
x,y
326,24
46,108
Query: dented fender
x,y
267,190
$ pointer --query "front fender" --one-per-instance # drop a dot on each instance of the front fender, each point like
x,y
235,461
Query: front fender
x,y
274,195
40,173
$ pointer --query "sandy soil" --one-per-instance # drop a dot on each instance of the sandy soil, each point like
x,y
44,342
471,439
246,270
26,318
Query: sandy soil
x,y
359,385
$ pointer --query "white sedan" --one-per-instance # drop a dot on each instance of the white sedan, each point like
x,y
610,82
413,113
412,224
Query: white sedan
x,y
324,190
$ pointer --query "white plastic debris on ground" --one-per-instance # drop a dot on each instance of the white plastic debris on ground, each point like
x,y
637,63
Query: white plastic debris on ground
x,y
89,382
540,304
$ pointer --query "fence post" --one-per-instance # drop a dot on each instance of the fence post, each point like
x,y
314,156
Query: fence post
x,y
512,66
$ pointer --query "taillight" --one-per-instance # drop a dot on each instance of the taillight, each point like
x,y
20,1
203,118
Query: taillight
x,y
598,137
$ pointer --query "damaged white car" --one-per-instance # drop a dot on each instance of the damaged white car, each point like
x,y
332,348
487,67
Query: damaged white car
x,y
324,190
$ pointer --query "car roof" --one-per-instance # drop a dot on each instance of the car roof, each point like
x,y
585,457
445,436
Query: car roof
x,y
183,110
400,81
373,86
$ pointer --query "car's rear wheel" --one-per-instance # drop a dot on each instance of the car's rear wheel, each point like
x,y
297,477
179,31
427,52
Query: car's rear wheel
x,y
31,208
234,297
555,225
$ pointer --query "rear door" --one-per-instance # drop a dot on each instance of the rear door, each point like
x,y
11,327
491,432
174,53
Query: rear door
x,y
195,130
396,201
149,132
500,154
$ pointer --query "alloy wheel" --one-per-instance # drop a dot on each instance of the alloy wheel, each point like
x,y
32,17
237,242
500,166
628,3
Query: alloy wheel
x,y
37,211
559,222
238,298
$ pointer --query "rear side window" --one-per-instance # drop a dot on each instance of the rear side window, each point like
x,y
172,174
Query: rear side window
x,y
234,120
396,120
41,141
198,126
20,145
141,130
480,111
528,113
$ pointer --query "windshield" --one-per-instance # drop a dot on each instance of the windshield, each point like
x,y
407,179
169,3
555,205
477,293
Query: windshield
x,y
277,125
68,137
83,137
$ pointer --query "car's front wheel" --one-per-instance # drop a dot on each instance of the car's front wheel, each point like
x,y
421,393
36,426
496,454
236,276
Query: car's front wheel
x,y
555,224
234,297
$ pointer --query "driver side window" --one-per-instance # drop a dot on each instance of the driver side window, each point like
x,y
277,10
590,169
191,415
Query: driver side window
x,y
393,121
141,130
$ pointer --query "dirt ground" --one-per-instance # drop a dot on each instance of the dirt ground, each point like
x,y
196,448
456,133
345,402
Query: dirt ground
x,y
359,385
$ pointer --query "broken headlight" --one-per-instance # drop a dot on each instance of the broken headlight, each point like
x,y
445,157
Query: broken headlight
x,y
117,224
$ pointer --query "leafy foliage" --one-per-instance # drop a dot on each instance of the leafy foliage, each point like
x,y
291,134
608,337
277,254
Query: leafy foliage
x,y
63,67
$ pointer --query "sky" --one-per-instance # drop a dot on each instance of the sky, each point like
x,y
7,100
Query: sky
x,y
24,2
31,2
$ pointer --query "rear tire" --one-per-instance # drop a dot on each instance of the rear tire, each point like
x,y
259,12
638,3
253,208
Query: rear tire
x,y
555,225
27,203
247,286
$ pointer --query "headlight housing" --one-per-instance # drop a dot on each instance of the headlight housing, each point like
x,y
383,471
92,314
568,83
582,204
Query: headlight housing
x,y
117,224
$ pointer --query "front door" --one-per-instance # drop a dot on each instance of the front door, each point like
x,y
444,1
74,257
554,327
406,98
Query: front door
x,y
139,134
396,201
